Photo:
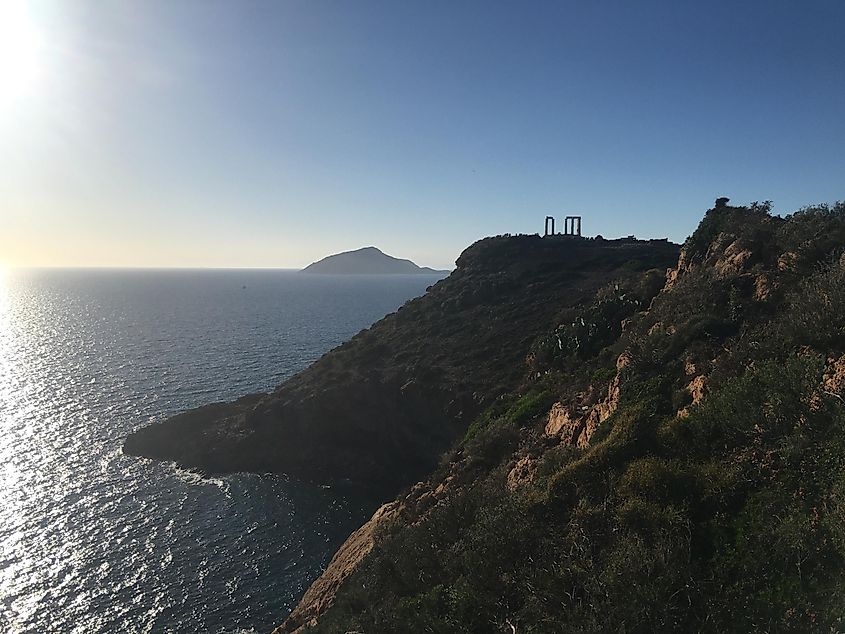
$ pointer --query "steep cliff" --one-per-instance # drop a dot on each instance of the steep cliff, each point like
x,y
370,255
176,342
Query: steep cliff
x,y
670,458
381,408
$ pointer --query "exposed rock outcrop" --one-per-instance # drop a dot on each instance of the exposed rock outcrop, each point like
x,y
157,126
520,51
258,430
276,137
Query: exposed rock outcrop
x,y
562,424
734,259
320,594
577,430
834,377
522,472
600,412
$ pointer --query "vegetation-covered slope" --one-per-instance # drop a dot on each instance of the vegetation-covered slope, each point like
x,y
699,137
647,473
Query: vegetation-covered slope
x,y
381,408
677,465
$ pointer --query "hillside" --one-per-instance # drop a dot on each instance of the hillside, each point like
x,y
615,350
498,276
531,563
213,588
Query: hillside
x,y
604,435
668,460
381,408
368,260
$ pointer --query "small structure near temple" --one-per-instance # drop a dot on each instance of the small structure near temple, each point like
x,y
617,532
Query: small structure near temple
x,y
550,226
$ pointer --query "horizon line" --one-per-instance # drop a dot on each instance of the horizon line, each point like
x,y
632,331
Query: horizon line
x,y
99,267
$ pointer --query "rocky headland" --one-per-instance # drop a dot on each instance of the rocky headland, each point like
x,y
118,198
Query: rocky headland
x,y
584,435
380,409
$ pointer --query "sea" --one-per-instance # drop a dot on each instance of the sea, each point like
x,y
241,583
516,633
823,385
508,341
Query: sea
x,y
95,541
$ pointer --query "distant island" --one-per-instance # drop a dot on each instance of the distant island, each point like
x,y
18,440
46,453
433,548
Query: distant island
x,y
368,260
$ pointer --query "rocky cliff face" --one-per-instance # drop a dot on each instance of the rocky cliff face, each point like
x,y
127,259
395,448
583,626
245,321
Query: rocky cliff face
x,y
669,458
381,408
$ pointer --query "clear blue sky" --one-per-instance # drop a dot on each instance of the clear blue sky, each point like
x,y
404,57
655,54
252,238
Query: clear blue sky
x,y
206,133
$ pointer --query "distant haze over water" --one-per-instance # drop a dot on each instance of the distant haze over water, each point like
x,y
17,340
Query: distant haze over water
x,y
93,541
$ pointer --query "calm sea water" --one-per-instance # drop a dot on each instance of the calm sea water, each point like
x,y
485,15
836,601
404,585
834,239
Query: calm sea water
x,y
94,541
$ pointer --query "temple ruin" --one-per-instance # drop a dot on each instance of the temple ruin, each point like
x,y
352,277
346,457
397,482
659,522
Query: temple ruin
x,y
571,226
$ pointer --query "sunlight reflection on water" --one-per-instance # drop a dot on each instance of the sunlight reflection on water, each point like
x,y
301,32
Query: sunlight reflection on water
x,y
94,541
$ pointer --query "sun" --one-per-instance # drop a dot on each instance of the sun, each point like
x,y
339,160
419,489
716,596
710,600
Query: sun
x,y
20,50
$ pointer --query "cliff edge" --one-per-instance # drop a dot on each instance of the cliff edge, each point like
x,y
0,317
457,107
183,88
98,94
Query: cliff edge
x,y
381,408
670,459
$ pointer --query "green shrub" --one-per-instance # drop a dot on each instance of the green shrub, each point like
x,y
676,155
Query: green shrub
x,y
816,312
603,375
657,478
481,422
649,518
553,460
766,403
491,445
529,406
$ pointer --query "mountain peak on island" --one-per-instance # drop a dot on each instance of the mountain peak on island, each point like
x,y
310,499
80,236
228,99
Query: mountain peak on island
x,y
367,260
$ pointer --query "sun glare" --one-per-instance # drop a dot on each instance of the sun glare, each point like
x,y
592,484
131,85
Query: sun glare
x,y
20,50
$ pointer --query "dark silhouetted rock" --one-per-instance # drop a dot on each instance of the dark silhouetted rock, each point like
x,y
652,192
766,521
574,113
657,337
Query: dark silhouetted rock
x,y
368,260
